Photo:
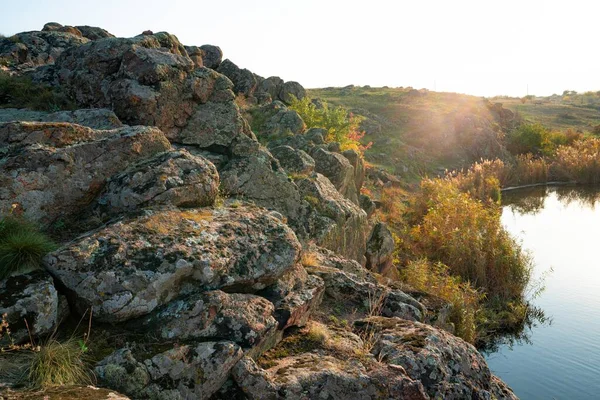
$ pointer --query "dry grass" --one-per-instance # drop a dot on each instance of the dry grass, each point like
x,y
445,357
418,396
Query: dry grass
x,y
579,162
309,259
58,364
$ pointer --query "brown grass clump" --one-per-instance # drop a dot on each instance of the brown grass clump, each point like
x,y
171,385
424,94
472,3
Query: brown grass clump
x,y
579,162
58,364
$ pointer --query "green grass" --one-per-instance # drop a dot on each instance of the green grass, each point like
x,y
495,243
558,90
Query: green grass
x,y
22,92
22,247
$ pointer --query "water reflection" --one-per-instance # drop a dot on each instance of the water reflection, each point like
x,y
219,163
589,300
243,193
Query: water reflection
x,y
555,354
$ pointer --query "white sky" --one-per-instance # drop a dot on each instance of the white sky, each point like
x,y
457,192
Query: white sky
x,y
476,47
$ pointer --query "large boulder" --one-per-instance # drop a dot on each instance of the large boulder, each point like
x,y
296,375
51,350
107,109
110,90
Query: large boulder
x,y
212,56
131,267
290,90
241,318
280,122
294,161
448,367
51,170
339,170
380,249
313,375
334,222
244,81
93,32
171,178
33,49
194,371
31,297
196,54
270,86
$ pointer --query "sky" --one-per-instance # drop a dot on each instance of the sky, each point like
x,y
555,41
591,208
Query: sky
x,y
484,48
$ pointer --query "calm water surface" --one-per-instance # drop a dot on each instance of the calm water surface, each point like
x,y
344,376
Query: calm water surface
x,y
561,359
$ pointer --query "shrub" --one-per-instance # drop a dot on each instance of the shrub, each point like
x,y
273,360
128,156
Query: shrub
x,y
22,92
22,247
435,278
529,169
579,162
341,126
467,235
58,364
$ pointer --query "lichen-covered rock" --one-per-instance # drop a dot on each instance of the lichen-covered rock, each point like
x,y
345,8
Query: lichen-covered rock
x,y
33,49
51,170
359,166
296,295
367,204
380,249
271,86
131,267
212,56
31,297
194,371
241,318
196,54
290,90
93,32
244,81
448,367
99,118
260,178
337,223
339,170
294,161
281,121
314,376
172,178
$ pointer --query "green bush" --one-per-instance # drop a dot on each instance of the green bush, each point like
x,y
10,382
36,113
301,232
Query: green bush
x,y
22,247
538,140
22,92
341,126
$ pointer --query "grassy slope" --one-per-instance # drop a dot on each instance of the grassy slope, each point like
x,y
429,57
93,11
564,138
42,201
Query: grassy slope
x,y
555,113
416,126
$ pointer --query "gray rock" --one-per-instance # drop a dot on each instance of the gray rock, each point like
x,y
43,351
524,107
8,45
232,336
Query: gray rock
x,y
193,371
196,54
32,297
244,81
131,267
359,167
339,170
289,90
271,86
336,223
212,56
313,376
64,166
380,249
66,392
172,178
93,32
294,161
281,121
241,318
448,367
99,118
367,204
33,49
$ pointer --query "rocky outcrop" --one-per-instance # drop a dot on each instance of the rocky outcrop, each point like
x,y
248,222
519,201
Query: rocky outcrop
x,y
93,32
380,249
294,161
448,367
338,169
184,372
212,57
100,118
130,268
64,393
335,222
51,170
30,297
33,49
291,90
244,81
315,376
171,178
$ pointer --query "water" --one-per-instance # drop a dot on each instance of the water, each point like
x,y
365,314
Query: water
x,y
559,360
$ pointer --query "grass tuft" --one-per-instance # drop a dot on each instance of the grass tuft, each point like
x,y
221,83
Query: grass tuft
x,y
22,247
58,364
